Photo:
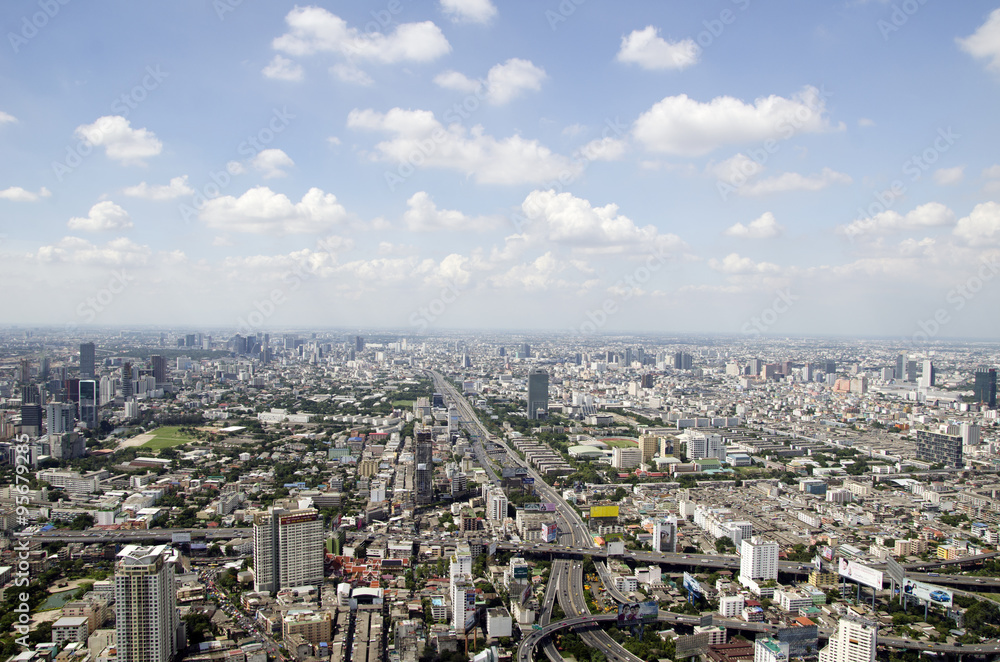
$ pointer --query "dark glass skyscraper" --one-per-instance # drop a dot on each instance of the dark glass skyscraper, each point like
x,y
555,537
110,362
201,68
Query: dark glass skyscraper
x,y
986,387
538,394
87,360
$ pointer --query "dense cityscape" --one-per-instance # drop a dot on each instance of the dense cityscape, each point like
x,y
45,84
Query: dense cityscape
x,y
363,497
469,331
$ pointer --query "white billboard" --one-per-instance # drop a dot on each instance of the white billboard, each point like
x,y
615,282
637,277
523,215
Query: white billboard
x,y
929,593
861,574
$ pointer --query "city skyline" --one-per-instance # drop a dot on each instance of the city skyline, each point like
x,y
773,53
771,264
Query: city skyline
x,y
729,168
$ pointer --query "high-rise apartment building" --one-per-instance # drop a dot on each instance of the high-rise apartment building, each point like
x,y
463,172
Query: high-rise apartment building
x,y
900,370
126,380
87,359
146,619
497,505
59,417
940,448
649,446
856,641
88,403
758,560
287,549
423,460
463,592
538,394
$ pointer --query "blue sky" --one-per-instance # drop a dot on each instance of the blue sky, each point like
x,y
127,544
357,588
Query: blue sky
x,y
730,166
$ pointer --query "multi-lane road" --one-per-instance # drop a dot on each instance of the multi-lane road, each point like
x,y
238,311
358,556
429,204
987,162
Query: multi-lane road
x,y
569,576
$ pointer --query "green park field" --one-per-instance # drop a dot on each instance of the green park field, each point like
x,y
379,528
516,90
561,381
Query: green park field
x,y
166,437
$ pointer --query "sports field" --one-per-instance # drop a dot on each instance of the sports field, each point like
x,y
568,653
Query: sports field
x,y
166,437
619,442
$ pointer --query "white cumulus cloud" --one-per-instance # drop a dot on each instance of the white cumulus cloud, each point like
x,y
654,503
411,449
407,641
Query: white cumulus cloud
x,y
422,215
982,226
469,11
984,43
18,194
949,176
262,211
793,181
117,252
734,264
281,68
930,215
178,187
686,127
763,227
6,118
503,82
418,137
120,141
103,216
650,51
315,30
563,218
272,162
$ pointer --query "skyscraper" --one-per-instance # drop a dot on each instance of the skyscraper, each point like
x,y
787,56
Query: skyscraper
x,y
927,376
423,475
856,641
538,394
146,617
88,403
87,360
127,390
986,387
900,371
159,366
287,549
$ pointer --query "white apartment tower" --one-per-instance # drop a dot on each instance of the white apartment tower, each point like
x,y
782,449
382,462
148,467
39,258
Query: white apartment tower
x,y
758,560
145,604
287,549
497,506
855,641
463,592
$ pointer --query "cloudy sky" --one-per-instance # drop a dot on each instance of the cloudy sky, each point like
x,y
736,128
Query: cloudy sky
x,y
731,166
